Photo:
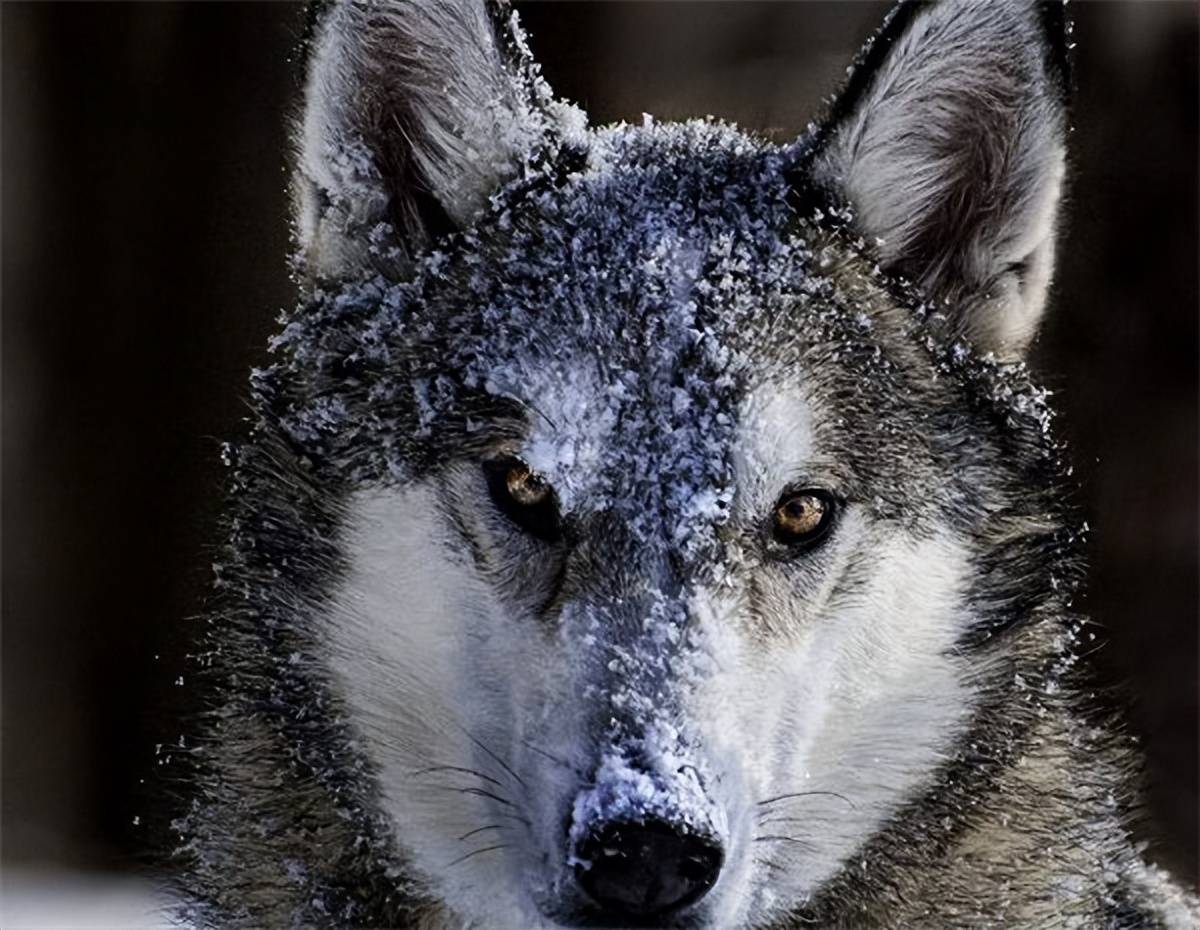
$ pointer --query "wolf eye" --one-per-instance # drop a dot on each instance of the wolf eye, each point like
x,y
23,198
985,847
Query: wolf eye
x,y
802,518
524,496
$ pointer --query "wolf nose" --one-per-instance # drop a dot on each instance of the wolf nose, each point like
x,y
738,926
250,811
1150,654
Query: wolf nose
x,y
639,869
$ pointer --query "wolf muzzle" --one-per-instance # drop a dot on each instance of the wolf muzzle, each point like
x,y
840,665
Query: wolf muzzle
x,y
644,843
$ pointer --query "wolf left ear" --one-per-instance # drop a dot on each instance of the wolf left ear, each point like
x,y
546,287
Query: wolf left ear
x,y
949,144
415,111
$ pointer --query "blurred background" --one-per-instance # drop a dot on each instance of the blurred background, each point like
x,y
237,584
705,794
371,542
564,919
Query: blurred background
x,y
144,222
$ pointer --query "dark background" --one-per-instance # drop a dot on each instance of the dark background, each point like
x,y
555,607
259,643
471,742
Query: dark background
x,y
144,152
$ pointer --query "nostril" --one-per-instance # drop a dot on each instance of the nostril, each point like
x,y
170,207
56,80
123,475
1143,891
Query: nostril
x,y
648,867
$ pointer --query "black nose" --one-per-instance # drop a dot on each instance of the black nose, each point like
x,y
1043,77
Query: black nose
x,y
647,868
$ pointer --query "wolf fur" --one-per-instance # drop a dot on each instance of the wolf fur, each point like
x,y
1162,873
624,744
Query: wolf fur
x,y
417,709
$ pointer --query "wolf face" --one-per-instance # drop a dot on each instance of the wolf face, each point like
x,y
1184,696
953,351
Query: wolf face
x,y
668,616
670,533
699,567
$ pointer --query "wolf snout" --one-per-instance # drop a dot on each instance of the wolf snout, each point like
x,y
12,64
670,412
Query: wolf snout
x,y
638,869
645,840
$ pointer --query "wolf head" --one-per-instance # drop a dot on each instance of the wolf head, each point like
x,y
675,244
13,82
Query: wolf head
x,y
684,508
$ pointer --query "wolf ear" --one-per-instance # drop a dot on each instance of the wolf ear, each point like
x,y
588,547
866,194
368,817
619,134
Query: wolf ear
x,y
415,111
949,144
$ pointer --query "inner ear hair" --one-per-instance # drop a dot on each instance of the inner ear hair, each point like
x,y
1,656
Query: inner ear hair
x,y
415,112
949,145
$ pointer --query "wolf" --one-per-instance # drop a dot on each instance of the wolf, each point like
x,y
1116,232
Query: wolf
x,y
658,526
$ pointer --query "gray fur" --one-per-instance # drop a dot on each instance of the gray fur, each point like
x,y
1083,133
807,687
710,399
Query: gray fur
x,y
408,101
954,158
415,708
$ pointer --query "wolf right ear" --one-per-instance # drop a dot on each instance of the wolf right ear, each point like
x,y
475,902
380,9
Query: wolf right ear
x,y
415,111
949,144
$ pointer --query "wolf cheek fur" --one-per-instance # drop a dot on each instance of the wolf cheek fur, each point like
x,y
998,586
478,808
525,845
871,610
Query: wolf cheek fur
x,y
788,640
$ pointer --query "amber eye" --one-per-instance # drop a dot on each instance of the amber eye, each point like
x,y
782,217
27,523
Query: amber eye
x,y
802,518
524,496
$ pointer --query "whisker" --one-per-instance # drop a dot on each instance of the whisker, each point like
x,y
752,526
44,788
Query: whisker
x,y
529,406
455,768
553,758
511,816
470,833
806,794
478,852
500,762
536,410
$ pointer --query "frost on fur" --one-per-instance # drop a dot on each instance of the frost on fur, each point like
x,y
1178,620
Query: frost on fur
x,y
415,112
422,715
950,144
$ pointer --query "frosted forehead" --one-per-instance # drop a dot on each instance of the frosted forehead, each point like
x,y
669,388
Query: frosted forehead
x,y
610,307
631,273
634,278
